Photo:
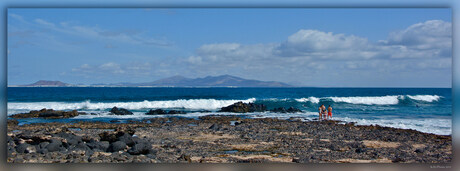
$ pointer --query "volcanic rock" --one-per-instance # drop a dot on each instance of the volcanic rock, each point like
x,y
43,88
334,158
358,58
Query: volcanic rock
x,y
240,107
120,111
47,113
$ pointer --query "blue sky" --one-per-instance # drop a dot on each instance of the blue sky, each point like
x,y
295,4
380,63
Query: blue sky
x,y
353,47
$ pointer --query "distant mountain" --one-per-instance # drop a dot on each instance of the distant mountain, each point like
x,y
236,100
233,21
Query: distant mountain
x,y
175,81
213,81
45,83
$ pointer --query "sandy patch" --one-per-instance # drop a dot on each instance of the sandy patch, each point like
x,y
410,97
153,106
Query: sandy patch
x,y
307,139
209,160
384,160
262,156
380,144
325,140
251,147
418,145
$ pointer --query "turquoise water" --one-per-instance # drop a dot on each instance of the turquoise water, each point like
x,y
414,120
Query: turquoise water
x,y
423,109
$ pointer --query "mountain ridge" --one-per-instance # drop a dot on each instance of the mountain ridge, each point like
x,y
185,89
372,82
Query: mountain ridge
x,y
176,81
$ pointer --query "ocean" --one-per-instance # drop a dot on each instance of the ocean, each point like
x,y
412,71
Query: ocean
x,y
423,109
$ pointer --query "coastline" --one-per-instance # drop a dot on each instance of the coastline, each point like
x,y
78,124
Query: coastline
x,y
222,139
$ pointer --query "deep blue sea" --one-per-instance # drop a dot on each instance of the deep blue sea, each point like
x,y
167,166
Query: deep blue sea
x,y
424,109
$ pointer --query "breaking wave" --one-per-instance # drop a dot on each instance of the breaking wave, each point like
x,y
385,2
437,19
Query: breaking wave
x,y
373,100
181,103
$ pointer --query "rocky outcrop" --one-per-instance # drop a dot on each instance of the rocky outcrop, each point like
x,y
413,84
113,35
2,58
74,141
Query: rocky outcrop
x,y
215,139
120,111
240,107
163,112
48,113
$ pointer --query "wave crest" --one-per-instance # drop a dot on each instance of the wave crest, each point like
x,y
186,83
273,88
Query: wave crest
x,y
208,104
373,100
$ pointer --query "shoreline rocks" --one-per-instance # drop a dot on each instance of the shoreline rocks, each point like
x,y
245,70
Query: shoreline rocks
x,y
212,139
120,111
240,107
48,114
163,112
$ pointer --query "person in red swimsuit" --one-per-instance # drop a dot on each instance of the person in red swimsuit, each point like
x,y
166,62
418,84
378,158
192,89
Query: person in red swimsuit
x,y
329,112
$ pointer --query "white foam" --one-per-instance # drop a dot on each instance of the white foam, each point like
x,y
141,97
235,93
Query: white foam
x,y
309,99
371,100
208,104
427,98
429,125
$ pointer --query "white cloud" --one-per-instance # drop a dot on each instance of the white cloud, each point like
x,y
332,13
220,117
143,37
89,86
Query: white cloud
x,y
109,36
308,42
427,35
43,22
428,40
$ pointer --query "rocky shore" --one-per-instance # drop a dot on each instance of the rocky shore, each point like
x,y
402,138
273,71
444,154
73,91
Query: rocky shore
x,y
220,139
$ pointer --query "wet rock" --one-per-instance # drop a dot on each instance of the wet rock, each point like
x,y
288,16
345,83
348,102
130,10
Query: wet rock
x,y
25,148
117,146
141,148
55,145
176,112
47,113
43,145
70,139
98,145
156,112
120,111
127,139
240,107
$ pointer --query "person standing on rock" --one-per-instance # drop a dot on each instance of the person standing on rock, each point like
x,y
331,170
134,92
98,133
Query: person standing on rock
x,y
322,112
329,112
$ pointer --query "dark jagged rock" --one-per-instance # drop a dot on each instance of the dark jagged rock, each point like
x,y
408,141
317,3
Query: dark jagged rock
x,y
156,112
47,113
163,112
127,139
70,139
98,145
107,136
25,148
141,148
240,107
117,146
176,112
120,111
55,145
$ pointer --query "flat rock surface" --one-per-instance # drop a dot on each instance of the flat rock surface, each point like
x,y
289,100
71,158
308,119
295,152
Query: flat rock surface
x,y
212,139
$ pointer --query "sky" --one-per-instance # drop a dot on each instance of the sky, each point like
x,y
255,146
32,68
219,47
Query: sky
x,y
321,47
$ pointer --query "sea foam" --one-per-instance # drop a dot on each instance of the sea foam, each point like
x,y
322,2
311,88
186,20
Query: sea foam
x,y
208,104
372,100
